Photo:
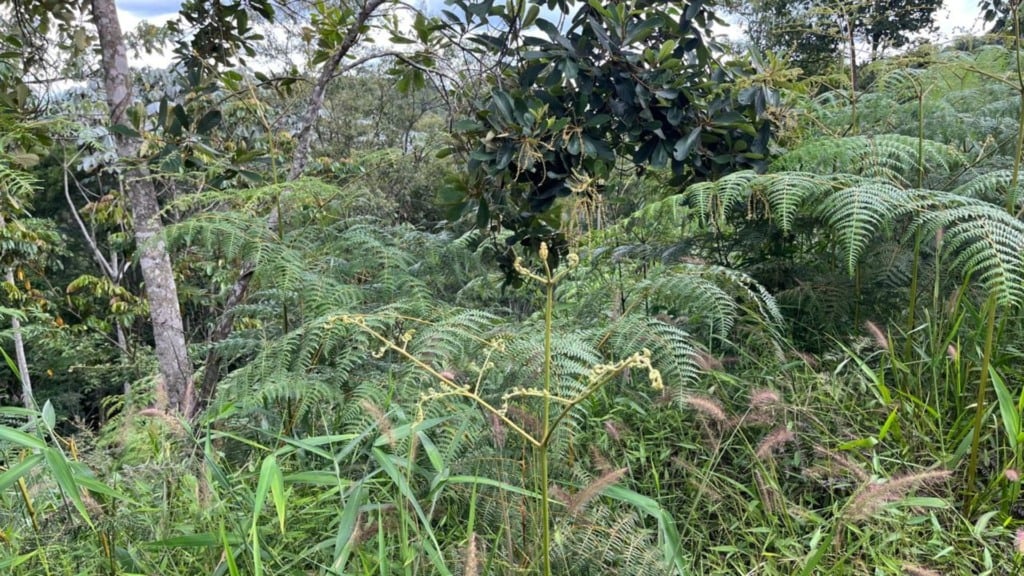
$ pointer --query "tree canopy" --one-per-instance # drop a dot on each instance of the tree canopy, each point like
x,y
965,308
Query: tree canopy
x,y
811,32
637,81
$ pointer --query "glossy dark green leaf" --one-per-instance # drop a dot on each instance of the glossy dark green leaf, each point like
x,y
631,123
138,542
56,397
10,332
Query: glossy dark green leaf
x,y
483,214
208,122
684,146
126,131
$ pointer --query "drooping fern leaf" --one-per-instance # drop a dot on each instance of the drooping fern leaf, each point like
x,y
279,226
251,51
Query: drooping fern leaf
x,y
672,348
995,187
858,212
890,157
782,193
985,242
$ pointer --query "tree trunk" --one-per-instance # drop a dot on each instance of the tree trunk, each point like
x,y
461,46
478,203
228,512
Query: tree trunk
x,y
304,139
154,261
316,98
27,398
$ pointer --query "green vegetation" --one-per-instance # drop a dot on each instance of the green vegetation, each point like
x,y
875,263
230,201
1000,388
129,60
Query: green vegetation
x,y
530,297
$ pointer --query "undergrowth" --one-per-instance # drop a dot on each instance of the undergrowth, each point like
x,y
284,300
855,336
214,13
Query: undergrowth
x,y
814,370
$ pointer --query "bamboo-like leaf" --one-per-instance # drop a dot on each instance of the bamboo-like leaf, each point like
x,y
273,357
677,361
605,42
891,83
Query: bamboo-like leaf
x,y
668,533
12,474
433,550
13,562
61,473
484,481
19,438
49,416
271,482
229,554
347,521
201,540
1008,412
269,475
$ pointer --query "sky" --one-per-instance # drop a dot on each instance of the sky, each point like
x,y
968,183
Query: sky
x,y
956,12
956,17
148,8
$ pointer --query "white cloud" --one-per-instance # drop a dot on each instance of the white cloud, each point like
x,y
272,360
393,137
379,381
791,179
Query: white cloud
x,y
157,12
959,17
149,8
955,18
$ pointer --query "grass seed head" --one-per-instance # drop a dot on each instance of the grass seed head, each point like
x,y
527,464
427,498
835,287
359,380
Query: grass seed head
x,y
709,407
773,441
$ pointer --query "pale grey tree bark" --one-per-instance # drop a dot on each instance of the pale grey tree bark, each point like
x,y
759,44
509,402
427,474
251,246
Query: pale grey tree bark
x,y
27,396
154,260
315,103
20,360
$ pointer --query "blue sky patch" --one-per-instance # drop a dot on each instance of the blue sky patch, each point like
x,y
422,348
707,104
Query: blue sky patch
x,y
149,8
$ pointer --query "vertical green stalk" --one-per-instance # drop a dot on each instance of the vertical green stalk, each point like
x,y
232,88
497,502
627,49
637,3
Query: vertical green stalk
x,y
920,135
854,122
23,488
912,303
918,236
937,284
542,449
1011,194
856,295
986,362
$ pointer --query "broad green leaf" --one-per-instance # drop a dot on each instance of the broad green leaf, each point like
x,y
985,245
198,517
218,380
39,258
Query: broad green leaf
x,y
316,478
62,475
668,533
347,521
49,418
434,550
229,554
11,475
20,438
203,540
1009,415
15,561
504,486
684,146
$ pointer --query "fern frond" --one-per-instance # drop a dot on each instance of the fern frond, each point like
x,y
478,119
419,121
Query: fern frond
x,y
857,213
672,348
891,157
707,295
608,542
985,242
228,235
452,338
904,84
716,200
16,187
993,187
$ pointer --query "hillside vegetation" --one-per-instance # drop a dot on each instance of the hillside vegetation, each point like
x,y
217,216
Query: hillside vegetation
x,y
465,336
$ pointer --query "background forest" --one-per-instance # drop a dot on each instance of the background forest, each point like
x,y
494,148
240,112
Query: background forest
x,y
511,287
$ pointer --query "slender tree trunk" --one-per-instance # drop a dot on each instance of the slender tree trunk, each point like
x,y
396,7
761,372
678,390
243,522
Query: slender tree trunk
x,y
304,140
854,121
316,98
27,397
154,260
20,360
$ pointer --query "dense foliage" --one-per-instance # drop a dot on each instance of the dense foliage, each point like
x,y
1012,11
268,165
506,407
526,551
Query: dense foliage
x,y
810,32
522,295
